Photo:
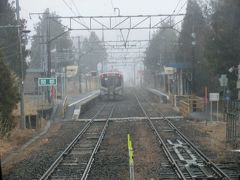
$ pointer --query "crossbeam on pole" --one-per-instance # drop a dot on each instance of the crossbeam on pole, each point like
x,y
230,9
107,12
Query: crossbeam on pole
x,y
131,22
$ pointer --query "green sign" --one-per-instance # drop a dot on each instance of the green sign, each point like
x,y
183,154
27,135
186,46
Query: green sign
x,y
47,81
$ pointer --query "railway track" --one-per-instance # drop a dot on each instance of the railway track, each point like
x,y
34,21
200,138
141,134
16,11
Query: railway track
x,y
76,160
186,159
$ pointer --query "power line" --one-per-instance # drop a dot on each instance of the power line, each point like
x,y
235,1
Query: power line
x,y
76,8
176,7
179,11
112,4
9,46
9,56
182,7
69,7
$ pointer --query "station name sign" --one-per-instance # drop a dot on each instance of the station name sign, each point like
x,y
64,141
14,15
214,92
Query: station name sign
x,y
47,81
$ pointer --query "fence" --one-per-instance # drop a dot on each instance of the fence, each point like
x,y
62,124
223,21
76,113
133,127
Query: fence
x,y
189,104
232,110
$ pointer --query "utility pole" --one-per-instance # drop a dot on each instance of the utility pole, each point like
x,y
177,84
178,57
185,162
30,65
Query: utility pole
x,y
48,47
238,81
48,57
21,82
79,66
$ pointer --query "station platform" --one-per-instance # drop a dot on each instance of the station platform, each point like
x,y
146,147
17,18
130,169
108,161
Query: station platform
x,y
204,115
70,107
159,93
82,98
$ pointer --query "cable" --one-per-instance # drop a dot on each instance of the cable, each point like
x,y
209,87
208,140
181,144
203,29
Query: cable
x,y
176,7
9,56
75,7
112,4
179,12
11,45
69,7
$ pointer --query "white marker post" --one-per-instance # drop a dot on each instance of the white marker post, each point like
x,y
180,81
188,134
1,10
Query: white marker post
x,y
213,97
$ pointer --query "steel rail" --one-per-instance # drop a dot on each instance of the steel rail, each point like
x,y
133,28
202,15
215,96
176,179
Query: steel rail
x,y
165,149
216,169
90,162
200,153
53,167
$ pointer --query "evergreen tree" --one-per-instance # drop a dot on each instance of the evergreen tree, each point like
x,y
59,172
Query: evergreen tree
x,y
60,45
161,50
222,47
192,43
8,97
93,52
9,37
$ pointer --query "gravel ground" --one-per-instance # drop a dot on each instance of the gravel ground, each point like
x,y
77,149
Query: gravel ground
x,y
111,161
32,163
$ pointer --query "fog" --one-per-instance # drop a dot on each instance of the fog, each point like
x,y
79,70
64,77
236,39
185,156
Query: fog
x,y
121,57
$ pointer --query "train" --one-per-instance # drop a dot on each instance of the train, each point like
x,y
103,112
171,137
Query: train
x,y
111,85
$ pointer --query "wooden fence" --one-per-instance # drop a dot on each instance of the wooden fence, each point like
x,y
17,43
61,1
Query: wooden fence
x,y
189,104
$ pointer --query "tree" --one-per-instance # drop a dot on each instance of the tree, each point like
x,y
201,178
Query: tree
x,y
161,50
93,52
222,47
53,28
9,37
192,44
8,97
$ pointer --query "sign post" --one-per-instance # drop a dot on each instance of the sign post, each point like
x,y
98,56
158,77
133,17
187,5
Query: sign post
x,y
213,97
223,83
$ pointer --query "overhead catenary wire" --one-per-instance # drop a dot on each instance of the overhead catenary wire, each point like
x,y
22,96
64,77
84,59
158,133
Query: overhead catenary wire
x,y
185,3
180,10
10,56
76,8
176,6
9,46
69,7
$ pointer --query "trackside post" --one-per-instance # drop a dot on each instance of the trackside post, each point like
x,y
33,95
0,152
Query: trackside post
x,y
131,162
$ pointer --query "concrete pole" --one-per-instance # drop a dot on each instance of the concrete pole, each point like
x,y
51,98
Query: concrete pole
x,y
21,83
48,49
79,66
238,82
49,64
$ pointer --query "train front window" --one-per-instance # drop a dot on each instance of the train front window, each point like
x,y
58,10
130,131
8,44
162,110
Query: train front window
x,y
111,81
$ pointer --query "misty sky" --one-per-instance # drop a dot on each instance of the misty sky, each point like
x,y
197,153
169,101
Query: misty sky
x,y
100,8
